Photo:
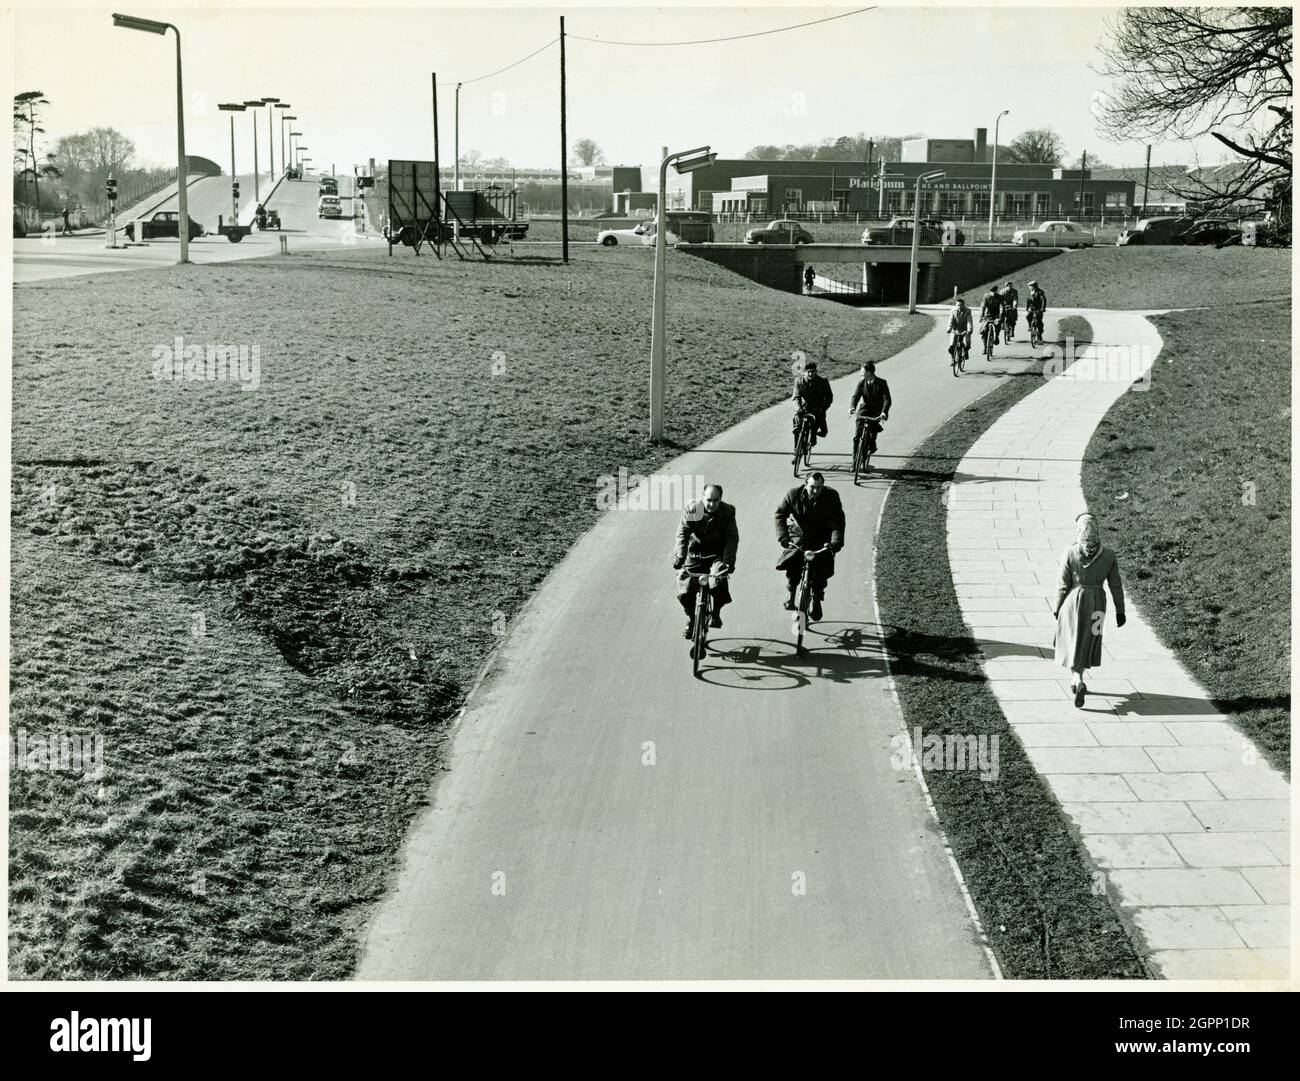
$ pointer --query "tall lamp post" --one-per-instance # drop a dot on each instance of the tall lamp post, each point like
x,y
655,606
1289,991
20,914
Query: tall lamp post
x,y
252,107
232,109
293,148
270,133
301,159
916,236
284,162
993,178
286,138
684,161
149,26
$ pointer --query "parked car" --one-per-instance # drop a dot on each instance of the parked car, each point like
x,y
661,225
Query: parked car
x,y
642,234
164,223
1154,231
1210,231
1054,234
781,231
899,231
330,206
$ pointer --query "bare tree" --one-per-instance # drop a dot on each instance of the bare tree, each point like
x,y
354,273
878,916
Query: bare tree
x,y
1037,146
1224,72
586,152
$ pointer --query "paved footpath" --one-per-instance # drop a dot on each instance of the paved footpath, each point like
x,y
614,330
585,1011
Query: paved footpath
x,y
1188,824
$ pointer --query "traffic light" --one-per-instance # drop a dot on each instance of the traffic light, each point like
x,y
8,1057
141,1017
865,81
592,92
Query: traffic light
x,y
234,187
111,189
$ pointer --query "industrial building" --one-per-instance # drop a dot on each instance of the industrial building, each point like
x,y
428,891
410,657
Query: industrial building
x,y
880,189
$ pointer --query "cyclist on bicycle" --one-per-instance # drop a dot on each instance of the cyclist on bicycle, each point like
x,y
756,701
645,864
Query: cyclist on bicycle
x,y
870,400
707,540
1037,300
959,322
812,394
1010,308
809,518
991,311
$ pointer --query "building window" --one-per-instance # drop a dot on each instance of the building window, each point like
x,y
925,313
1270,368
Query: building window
x,y
1116,200
1016,205
894,201
793,198
1042,204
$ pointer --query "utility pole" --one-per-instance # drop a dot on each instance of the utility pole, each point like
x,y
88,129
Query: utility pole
x,y
880,210
437,176
564,155
1146,179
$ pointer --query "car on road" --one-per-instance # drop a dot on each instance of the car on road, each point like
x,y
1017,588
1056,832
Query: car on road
x,y
1054,234
642,234
164,223
780,231
328,186
330,206
1209,231
1154,231
899,231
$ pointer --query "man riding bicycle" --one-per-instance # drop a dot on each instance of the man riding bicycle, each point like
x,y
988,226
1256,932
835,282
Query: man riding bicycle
x,y
812,394
1035,305
707,540
959,322
871,399
1010,309
810,518
991,311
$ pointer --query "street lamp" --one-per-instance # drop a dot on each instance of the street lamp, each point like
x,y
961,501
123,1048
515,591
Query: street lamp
x,y
284,162
149,26
916,237
270,132
234,182
286,138
456,146
684,161
293,146
993,179
253,106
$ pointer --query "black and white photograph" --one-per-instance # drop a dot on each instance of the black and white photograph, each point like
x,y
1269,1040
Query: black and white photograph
x,y
675,498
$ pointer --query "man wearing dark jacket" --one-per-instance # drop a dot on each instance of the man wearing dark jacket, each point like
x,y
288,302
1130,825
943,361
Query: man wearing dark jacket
x,y
809,518
813,394
871,399
707,540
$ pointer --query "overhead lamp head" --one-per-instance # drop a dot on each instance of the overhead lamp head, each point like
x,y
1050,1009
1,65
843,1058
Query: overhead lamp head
x,y
134,22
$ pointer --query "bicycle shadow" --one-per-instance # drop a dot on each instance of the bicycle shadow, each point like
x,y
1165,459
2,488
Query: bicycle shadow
x,y
834,650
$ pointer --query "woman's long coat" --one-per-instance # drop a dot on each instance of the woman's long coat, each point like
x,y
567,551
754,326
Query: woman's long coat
x,y
1081,606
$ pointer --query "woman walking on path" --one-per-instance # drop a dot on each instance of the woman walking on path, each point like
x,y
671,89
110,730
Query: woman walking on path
x,y
1081,602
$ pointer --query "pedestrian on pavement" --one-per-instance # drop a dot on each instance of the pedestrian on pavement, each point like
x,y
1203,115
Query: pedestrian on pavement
x,y
1081,602
67,225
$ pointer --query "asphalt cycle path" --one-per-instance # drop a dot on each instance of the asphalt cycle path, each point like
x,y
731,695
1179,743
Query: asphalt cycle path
x,y
606,815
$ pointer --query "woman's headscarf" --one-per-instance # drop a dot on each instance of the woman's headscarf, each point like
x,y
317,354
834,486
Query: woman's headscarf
x,y
1087,536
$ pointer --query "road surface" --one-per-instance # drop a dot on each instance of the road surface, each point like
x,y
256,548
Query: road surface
x,y
607,816
37,258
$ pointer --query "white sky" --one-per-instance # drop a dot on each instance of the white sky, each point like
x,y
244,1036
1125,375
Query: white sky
x,y
358,77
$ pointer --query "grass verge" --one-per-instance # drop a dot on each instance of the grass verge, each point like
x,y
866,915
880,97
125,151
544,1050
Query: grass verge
x,y
1160,276
1192,480
1027,874
266,602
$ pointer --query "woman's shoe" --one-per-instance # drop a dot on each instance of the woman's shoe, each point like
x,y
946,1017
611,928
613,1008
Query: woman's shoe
x,y
1079,692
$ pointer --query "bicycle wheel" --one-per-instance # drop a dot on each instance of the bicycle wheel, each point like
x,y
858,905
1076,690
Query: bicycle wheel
x,y
800,449
700,639
857,459
805,600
